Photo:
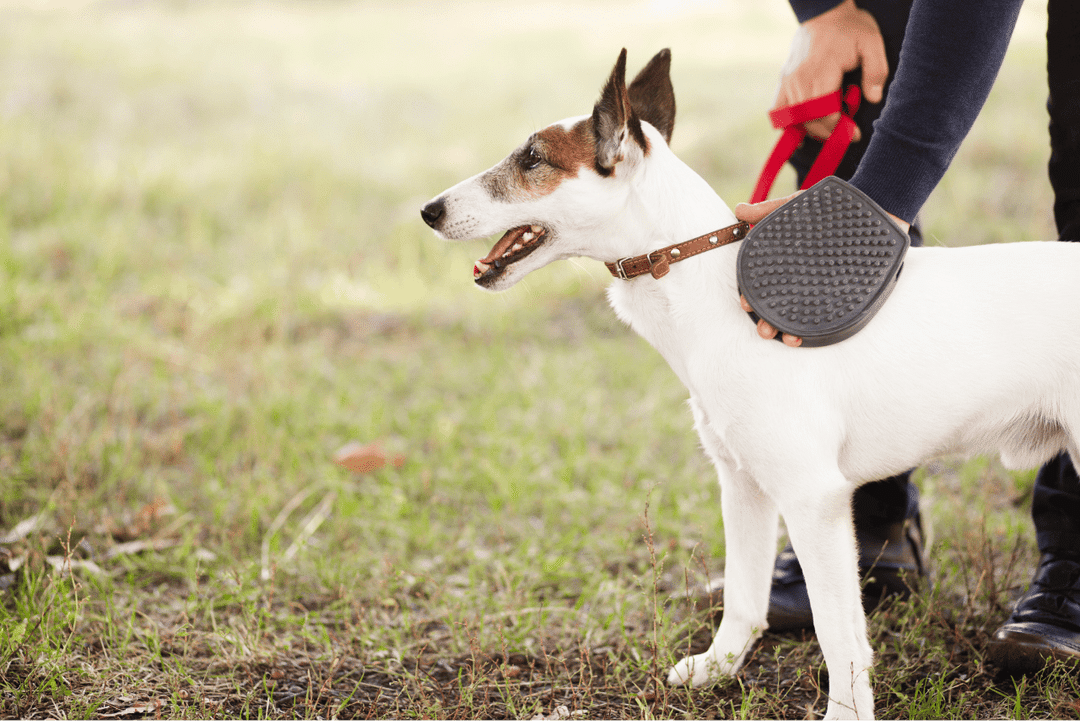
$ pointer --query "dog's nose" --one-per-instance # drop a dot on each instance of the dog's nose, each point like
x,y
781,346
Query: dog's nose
x,y
432,212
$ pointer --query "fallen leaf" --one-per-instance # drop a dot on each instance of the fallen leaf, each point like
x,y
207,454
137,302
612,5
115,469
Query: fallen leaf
x,y
367,457
64,564
23,529
130,547
150,707
201,554
560,713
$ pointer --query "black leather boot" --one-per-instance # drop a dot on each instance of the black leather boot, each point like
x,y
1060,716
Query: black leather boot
x,y
1045,624
890,564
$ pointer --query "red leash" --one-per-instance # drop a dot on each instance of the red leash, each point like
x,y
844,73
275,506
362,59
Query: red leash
x,y
791,119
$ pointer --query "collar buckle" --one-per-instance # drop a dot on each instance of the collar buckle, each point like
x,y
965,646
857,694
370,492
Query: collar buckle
x,y
660,267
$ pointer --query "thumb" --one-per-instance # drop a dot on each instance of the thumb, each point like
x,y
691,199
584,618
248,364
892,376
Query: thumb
x,y
755,212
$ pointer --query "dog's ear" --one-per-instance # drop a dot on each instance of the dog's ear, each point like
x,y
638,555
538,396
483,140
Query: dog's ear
x,y
651,94
614,121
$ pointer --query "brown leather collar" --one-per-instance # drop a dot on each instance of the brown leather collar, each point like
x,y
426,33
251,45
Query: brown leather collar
x,y
657,262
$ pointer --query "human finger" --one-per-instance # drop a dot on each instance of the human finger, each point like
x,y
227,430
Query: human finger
x,y
875,67
822,127
755,212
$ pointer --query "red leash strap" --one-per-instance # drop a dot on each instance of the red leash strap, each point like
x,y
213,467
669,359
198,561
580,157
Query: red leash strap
x,y
791,119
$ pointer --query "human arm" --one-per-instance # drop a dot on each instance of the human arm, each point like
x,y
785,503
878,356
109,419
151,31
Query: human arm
x,y
951,54
950,57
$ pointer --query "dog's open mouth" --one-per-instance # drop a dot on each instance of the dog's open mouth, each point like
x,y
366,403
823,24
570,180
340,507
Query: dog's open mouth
x,y
515,244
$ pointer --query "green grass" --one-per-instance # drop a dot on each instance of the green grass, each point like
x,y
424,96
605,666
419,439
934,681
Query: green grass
x,y
213,275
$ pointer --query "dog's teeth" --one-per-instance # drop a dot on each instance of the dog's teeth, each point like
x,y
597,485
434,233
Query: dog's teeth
x,y
517,246
528,236
480,268
537,229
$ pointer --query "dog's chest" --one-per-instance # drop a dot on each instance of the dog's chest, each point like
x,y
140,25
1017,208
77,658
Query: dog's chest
x,y
648,313
674,328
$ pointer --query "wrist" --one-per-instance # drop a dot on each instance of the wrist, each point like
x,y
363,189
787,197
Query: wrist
x,y
839,16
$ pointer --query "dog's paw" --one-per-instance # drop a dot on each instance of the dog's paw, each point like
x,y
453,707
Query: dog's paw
x,y
696,670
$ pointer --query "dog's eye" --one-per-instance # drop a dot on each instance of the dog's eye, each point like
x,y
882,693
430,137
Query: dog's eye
x,y
532,159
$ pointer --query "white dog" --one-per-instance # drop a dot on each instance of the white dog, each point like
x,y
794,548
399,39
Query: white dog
x,y
976,351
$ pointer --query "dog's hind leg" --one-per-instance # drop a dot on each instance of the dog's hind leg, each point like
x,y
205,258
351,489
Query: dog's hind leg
x,y
821,530
750,531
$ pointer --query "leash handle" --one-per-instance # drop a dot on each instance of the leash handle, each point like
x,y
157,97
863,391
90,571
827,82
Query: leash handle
x,y
791,119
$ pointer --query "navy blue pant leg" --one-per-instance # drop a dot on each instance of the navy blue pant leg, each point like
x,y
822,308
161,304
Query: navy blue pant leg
x,y
1063,75
1055,506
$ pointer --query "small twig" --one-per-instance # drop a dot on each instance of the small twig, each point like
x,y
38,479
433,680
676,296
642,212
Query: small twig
x,y
311,524
534,609
279,521
71,576
659,687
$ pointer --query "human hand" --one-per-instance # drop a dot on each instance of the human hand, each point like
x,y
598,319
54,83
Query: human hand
x,y
754,213
823,49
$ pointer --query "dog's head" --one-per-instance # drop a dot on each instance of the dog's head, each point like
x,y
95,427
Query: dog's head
x,y
551,196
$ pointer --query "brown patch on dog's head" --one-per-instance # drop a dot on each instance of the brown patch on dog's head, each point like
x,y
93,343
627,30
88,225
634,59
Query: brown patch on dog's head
x,y
568,150
548,158
559,152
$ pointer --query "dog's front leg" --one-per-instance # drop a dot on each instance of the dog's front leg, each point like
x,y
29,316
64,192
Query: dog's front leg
x,y
750,529
822,533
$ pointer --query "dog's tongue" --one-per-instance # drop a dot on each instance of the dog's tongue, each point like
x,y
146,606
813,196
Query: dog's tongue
x,y
509,238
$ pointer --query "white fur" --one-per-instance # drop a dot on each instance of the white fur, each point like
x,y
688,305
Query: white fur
x,y
976,351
